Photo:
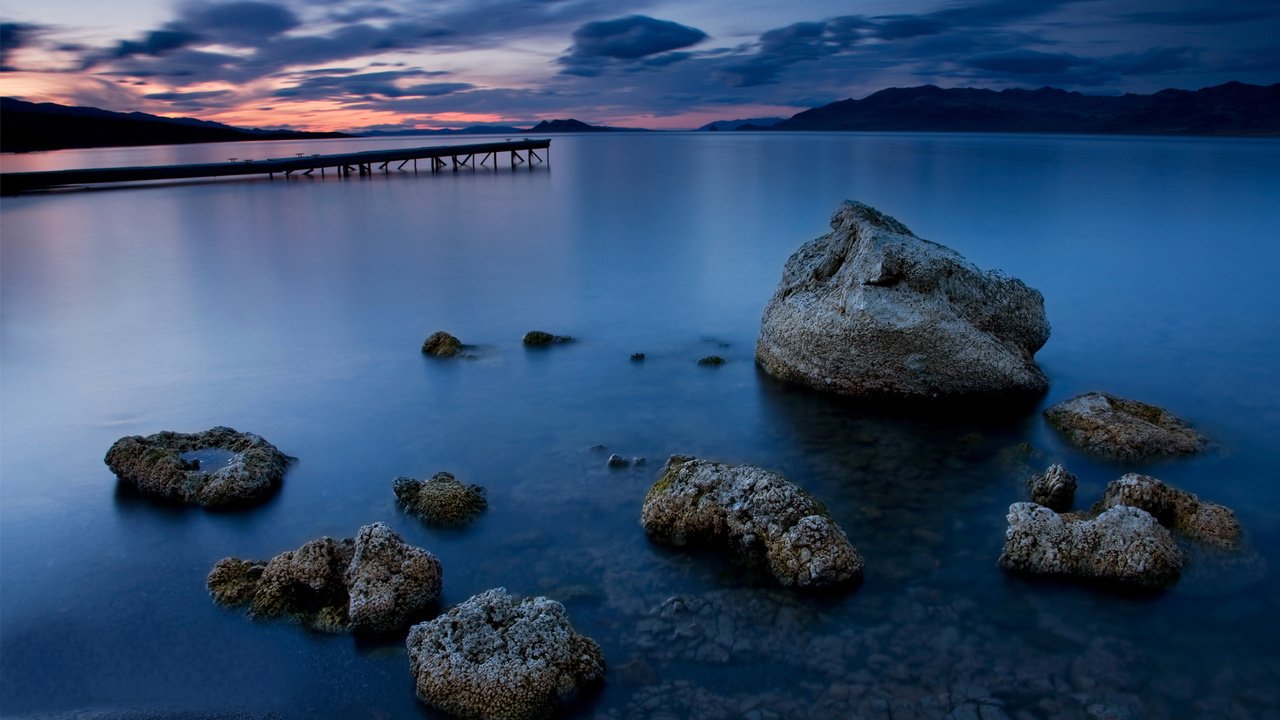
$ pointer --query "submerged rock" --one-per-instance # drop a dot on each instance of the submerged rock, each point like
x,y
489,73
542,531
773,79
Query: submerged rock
x,y
1176,509
1123,429
757,514
441,344
499,658
1124,545
538,338
637,357
1055,488
871,310
712,360
155,466
442,500
375,583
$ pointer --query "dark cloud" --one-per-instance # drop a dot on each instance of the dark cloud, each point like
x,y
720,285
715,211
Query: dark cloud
x,y
15,35
241,22
187,97
897,27
636,42
155,43
1213,15
364,12
1024,62
1060,69
369,85
783,47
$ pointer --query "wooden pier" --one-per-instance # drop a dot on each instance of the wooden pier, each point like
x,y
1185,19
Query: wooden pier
x,y
473,156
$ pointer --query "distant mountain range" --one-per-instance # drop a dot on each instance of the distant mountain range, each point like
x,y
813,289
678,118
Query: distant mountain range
x,y
49,126
1230,109
754,123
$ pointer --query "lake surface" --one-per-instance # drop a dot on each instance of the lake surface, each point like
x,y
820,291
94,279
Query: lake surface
x,y
296,309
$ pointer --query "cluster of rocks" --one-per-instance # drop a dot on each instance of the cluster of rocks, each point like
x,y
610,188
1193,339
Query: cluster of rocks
x,y
1126,539
756,514
441,500
374,583
871,310
156,467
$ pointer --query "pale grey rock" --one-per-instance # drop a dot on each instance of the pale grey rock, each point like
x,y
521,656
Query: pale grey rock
x,y
757,514
1178,510
155,466
494,656
1123,429
1124,545
871,310
1055,488
373,583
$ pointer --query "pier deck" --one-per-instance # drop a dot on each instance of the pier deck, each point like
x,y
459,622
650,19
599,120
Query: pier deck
x,y
343,164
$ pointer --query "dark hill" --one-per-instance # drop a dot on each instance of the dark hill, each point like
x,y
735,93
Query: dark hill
x,y
26,126
1230,109
572,126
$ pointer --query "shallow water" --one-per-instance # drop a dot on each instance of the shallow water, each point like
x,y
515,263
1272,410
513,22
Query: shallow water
x,y
296,309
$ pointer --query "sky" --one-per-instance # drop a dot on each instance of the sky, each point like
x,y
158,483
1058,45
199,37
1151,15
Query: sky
x,y
398,64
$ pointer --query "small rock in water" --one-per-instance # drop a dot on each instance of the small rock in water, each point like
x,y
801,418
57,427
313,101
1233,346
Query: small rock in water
x,y
712,360
637,357
166,466
442,500
1122,429
617,460
756,513
1176,509
1054,488
493,656
441,344
538,338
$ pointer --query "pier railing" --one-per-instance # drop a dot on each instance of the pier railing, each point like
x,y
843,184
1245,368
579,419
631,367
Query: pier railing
x,y
522,152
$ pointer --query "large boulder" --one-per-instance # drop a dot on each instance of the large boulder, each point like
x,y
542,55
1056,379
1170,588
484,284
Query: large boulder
x,y
757,514
237,468
1124,546
1176,509
373,583
499,658
1122,429
441,500
871,310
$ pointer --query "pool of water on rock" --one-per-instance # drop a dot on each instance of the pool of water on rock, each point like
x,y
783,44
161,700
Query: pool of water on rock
x,y
209,460
1154,256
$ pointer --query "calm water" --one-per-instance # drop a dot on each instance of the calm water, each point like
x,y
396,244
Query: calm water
x,y
296,310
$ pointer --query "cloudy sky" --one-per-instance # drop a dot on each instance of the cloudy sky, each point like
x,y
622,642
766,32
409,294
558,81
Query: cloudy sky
x,y
342,64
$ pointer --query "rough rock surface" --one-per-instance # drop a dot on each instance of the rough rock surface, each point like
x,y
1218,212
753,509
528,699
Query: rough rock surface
x,y
1055,488
441,344
155,466
1123,429
1176,509
373,583
1124,545
538,338
758,514
493,656
442,500
871,310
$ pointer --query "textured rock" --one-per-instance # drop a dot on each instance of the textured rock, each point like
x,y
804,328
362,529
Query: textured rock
x,y
441,500
538,338
155,466
1124,545
1123,429
441,344
757,514
871,310
1176,509
375,582
496,657
1055,488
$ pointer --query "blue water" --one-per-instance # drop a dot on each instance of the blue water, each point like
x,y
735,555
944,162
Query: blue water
x,y
295,310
